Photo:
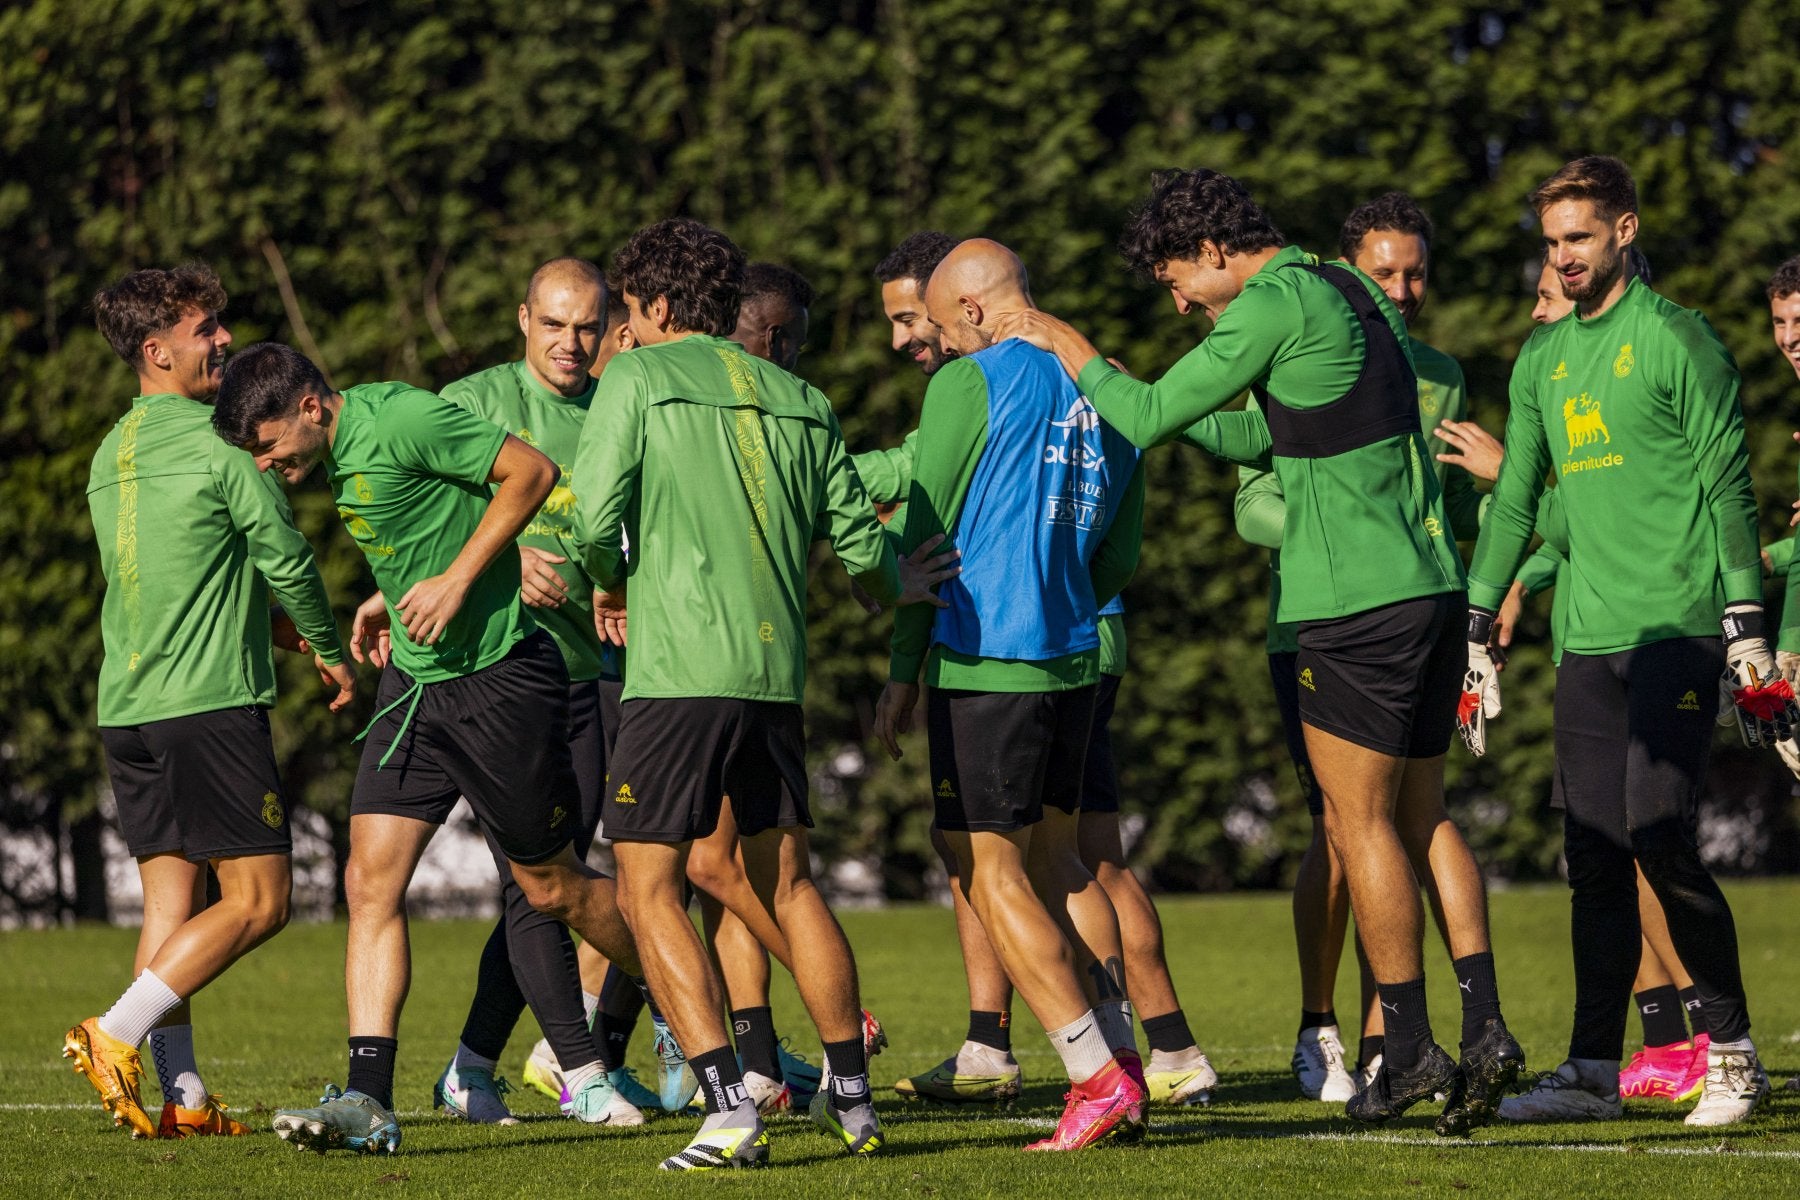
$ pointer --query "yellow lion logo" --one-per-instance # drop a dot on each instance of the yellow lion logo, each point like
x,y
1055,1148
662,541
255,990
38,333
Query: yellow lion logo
x,y
359,529
560,502
1581,416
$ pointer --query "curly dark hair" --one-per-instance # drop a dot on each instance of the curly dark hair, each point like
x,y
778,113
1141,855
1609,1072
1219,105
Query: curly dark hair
x,y
1396,211
1786,280
150,301
916,257
1186,208
774,280
696,268
263,383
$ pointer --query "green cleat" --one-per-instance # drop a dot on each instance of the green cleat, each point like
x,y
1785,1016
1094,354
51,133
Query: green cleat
x,y
943,1084
342,1121
625,1082
726,1140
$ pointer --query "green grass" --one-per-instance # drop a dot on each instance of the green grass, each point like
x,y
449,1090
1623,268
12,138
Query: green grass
x,y
271,1033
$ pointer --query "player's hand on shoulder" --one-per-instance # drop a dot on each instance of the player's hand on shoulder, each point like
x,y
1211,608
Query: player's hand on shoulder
x,y
1038,328
922,570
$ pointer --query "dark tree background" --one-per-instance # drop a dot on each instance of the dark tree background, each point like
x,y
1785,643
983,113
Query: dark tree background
x,y
374,180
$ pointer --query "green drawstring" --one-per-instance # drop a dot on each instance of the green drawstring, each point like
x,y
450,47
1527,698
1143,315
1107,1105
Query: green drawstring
x,y
414,692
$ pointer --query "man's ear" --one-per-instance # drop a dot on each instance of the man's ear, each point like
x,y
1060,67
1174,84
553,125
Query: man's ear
x,y
155,353
1627,227
525,319
659,311
1212,255
972,310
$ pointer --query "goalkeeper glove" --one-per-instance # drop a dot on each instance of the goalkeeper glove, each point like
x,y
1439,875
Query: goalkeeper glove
x,y
1480,698
1763,700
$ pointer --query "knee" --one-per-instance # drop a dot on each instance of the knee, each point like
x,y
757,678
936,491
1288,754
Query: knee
x,y
555,893
1667,853
713,874
369,889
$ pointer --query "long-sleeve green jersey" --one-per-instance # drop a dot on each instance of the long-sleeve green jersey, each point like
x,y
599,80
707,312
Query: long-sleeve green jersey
x,y
1364,527
193,542
718,466
1261,512
1636,411
953,432
511,397
888,475
410,476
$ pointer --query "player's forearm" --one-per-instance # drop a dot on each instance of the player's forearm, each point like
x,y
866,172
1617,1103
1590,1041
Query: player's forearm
x,y
1237,437
520,494
887,474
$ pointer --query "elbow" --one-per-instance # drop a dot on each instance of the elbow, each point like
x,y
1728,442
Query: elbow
x,y
539,477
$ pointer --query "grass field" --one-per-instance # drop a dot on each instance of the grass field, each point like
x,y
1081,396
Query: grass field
x,y
271,1033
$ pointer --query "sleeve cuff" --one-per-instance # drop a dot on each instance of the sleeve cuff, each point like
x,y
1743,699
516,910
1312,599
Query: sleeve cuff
x,y
905,667
1743,585
1483,594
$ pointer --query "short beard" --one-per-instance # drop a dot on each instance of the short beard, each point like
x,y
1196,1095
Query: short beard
x,y
1600,278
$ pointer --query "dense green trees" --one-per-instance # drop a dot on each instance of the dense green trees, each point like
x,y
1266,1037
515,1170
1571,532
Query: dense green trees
x,y
374,181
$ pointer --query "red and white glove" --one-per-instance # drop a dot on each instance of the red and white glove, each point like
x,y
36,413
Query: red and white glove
x,y
1763,701
1480,698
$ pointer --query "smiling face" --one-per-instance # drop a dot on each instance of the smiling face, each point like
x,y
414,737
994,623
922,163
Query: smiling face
x,y
1552,305
913,334
189,356
1785,313
295,444
562,324
1203,281
1586,251
1398,263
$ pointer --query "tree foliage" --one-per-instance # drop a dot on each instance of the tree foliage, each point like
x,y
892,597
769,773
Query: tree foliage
x,y
375,181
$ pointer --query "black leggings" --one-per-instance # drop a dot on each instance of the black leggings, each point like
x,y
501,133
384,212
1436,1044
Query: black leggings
x,y
1634,731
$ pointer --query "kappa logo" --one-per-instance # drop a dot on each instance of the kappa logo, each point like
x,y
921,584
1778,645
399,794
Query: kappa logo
x,y
1306,680
623,795
946,790
271,814
1622,365
1561,372
1081,417
1689,702
1581,419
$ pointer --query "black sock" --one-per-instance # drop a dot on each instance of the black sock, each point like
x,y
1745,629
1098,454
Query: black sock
x,y
991,1029
1480,994
754,1029
649,1001
372,1068
1696,1011
1406,1024
1168,1033
1660,1009
1317,1020
1369,1050
721,1083
849,1073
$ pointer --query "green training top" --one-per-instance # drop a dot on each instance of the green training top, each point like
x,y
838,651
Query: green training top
x,y
410,477
719,466
511,397
953,430
193,539
1261,512
887,474
1636,410
1363,528
891,473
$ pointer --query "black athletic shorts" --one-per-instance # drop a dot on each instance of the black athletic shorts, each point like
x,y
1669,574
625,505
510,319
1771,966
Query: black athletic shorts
x,y
997,758
1100,775
203,786
1387,679
1634,733
1286,678
677,758
498,737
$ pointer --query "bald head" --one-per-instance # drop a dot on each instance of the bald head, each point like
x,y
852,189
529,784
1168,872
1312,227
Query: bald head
x,y
562,319
977,283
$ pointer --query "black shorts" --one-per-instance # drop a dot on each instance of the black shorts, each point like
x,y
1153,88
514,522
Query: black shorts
x,y
997,758
203,786
677,758
1387,679
1285,676
1100,775
1634,733
498,737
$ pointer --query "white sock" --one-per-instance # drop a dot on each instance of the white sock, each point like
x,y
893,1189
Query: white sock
x,y
1115,1026
1083,1048
172,1046
1741,1046
979,1058
574,1081
589,1002
147,1001
466,1058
